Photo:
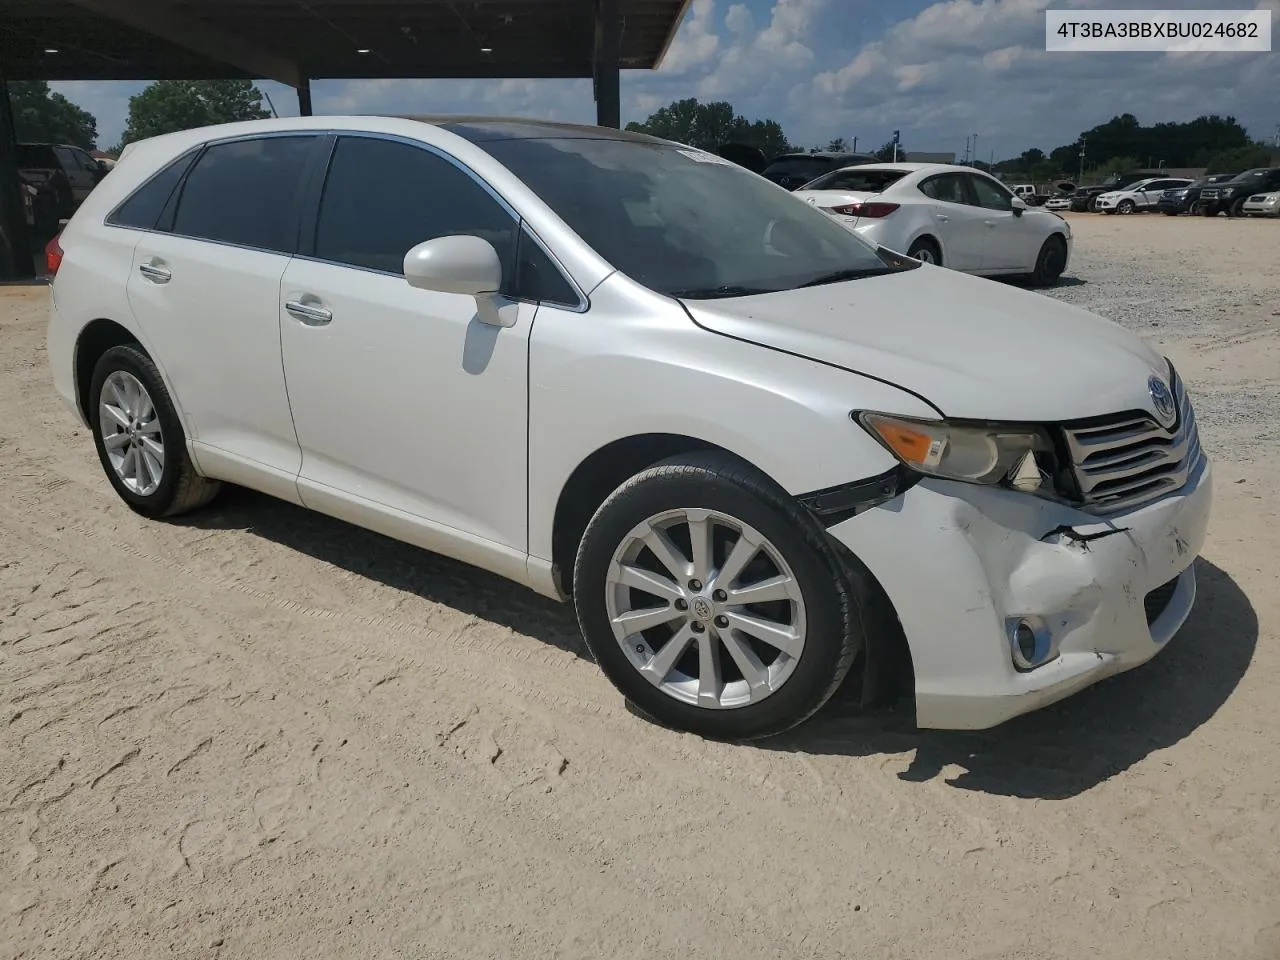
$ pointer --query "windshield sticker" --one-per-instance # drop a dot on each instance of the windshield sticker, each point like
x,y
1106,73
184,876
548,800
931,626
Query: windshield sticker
x,y
701,157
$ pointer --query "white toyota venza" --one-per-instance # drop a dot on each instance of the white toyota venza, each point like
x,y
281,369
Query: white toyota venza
x,y
756,451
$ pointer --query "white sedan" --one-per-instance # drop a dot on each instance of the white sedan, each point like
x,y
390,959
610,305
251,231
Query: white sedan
x,y
1143,195
957,217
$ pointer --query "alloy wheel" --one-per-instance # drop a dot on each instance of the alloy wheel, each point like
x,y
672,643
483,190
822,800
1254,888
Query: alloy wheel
x,y
131,433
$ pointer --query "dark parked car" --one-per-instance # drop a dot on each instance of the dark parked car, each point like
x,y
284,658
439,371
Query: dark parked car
x,y
69,171
794,170
1229,198
1184,199
1085,198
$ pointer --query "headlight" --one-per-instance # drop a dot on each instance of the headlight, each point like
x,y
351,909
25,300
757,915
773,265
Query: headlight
x,y
1017,456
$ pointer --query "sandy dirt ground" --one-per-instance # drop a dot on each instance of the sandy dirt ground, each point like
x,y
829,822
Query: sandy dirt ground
x,y
259,733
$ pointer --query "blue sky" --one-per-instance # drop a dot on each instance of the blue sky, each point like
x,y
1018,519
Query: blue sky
x,y
938,70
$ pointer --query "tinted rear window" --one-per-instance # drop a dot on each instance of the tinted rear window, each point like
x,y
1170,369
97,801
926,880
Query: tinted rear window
x,y
36,155
858,181
245,192
143,209
808,167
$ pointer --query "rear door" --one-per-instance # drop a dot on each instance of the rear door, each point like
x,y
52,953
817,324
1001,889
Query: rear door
x,y
958,221
205,286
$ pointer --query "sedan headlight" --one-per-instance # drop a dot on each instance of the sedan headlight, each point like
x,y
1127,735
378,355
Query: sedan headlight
x,y
1017,456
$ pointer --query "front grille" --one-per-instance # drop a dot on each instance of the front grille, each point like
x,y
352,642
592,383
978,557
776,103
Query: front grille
x,y
1208,194
1257,198
1124,461
1158,599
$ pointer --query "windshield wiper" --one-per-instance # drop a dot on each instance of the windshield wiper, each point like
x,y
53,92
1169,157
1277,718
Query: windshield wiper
x,y
714,293
838,276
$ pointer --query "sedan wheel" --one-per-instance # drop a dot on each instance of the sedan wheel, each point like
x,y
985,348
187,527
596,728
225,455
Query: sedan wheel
x,y
926,251
713,601
1126,206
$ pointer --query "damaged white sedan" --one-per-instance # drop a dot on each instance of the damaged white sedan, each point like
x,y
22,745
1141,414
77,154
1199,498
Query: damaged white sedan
x,y
756,451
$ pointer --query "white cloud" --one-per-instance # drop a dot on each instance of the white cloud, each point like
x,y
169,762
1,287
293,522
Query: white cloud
x,y
696,41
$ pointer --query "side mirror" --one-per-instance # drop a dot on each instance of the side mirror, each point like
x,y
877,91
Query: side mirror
x,y
1018,206
460,264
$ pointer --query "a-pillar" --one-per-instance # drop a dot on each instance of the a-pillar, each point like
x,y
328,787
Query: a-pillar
x,y
16,262
608,42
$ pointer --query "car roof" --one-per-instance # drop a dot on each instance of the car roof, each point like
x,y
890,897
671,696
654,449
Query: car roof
x,y
485,129
914,167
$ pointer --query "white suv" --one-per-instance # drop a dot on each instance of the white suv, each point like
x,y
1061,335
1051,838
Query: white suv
x,y
755,450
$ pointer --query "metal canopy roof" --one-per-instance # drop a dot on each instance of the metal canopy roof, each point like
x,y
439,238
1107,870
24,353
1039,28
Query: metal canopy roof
x,y
295,40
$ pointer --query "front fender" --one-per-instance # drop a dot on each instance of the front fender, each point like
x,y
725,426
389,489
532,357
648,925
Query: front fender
x,y
636,364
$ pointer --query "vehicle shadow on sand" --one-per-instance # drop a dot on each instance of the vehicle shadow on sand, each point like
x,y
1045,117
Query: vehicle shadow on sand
x,y
430,576
1069,747
1057,752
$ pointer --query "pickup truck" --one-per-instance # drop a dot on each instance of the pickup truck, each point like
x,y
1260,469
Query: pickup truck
x,y
1229,197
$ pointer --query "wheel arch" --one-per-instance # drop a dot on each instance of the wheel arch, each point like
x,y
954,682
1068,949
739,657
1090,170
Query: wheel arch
x,y
883,669
96,338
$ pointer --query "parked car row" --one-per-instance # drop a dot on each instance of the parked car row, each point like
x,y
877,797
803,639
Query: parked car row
x,y
1234,194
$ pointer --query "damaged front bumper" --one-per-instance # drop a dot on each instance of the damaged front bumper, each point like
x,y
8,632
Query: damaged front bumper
x,y
964,564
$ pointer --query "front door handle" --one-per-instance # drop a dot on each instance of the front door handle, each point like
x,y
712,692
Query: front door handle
x,y
155,272
989,223
313,315
943,217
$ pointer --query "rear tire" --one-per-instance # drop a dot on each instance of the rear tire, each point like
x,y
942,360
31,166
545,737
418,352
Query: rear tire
x,y
139,438
692,665
1237,208
1050,262
926,250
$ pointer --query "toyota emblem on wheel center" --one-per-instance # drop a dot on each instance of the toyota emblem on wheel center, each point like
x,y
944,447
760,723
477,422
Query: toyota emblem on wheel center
x,y
1162,399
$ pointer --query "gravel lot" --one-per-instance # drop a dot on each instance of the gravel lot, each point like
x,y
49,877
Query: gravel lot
x,y
258,733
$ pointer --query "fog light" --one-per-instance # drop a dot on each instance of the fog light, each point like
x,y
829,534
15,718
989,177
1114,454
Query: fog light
x,y
1030,642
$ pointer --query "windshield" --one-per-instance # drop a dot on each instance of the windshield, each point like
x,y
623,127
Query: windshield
x,y
857,180
1256,174
686,223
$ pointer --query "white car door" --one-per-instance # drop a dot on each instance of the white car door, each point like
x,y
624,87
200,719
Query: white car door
x,y
205,288
1012,239
407,405
959,224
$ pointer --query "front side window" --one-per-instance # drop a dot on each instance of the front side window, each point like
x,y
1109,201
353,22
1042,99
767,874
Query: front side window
x,y
683,222
382,198
245,192
990,195
857,181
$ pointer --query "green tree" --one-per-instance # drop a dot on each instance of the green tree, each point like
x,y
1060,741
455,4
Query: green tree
x,y
41,115
171,105
1119,165
1240,159
709,126
837,145
885,153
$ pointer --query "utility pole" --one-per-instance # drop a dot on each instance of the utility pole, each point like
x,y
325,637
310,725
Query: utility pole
x,y
1081,180
975,146
895,145
855,145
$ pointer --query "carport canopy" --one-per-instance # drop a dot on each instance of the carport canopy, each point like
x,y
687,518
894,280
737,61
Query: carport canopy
x,y
296,41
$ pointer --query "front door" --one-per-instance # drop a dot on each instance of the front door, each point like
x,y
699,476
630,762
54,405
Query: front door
x,y
1013,242
406,403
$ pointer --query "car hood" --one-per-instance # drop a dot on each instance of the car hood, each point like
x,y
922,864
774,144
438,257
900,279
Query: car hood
x,y
974,348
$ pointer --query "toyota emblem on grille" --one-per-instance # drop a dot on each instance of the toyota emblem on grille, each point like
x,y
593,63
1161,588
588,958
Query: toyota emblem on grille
x,y
1162,399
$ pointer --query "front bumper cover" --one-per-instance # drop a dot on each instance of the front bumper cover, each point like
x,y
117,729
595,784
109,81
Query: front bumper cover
x,y
959,561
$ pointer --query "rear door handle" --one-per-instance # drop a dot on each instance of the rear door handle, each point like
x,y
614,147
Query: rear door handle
x,y
155,273
313,315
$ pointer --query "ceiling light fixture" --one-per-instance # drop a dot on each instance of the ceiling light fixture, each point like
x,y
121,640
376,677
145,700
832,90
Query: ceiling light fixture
x,y
50,49
363,50
486,49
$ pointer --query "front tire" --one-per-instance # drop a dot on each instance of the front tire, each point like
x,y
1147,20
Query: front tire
x,y
139,438
1050,262
1126,207
713,601
1237,208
